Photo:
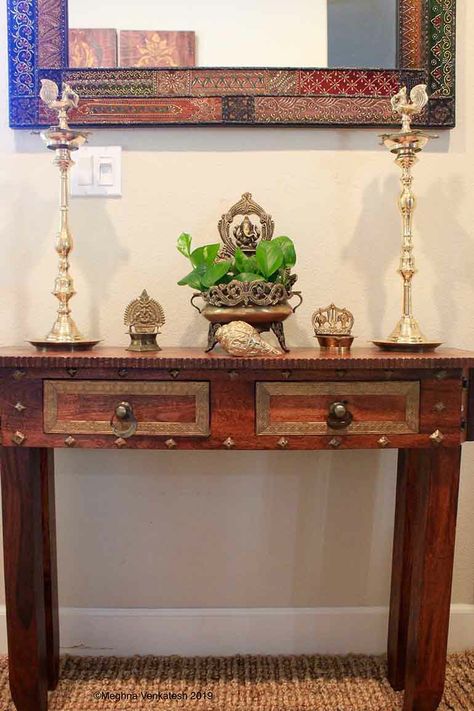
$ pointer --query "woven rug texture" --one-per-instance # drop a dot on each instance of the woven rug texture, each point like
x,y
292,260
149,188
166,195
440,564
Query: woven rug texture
x,y
242,683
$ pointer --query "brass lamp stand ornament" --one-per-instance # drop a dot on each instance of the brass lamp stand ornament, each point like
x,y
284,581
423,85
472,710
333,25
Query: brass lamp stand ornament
x,y
405,144
333,328
63,140
144,317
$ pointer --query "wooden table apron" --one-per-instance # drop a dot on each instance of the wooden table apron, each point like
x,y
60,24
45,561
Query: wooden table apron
x,y
419,404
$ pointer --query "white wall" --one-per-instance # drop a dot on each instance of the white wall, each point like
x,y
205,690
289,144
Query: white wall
x,y
247,33
230,529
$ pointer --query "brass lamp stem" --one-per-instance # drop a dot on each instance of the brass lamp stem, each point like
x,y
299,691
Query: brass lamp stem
x,y
407,328
64,329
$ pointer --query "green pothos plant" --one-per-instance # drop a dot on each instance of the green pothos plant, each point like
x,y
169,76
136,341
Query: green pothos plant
x,y
272,262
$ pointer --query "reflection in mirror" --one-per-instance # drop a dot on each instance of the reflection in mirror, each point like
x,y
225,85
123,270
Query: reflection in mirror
x,y
232,33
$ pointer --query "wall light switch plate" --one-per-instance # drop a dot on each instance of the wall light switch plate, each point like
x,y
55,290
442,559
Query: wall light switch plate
x,y
97,172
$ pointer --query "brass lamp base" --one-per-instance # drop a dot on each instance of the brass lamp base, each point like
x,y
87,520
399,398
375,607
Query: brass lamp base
x,y
82,344
420,347
407,336
143,343
341,344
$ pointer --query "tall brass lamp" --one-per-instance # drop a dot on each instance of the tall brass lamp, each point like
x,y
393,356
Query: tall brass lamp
x,y
62,139
405,145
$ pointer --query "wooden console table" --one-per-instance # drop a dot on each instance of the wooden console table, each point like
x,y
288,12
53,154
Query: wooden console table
x,y
183,399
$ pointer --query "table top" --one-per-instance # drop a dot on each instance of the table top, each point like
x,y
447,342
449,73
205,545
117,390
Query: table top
x,y
195,358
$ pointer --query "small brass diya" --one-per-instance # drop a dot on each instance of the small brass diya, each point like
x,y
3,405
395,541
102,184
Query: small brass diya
x,y
144,317
333,328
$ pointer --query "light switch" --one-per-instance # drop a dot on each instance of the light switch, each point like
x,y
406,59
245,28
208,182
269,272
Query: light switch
x,y
106,172
97,172
85,170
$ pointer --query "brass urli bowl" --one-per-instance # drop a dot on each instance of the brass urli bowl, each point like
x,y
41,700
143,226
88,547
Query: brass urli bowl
x,y
262,304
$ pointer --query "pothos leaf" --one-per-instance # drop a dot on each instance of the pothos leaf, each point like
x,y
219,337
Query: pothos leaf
x,y
249,276
205,255
288,248
214,273
184,244
269,258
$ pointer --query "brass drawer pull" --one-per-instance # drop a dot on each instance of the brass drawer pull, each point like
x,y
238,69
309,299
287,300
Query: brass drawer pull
x,y
339,416
124,415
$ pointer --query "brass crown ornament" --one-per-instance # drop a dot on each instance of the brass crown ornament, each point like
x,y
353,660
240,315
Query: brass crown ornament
x,y
405,144
144,317
333,327
63,140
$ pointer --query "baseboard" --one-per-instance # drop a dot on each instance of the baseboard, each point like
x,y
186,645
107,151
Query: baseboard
x,y
327,630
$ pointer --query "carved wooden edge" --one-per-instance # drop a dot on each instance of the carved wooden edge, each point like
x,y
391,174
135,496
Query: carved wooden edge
x,y
54,388
194,361
265,390
38,48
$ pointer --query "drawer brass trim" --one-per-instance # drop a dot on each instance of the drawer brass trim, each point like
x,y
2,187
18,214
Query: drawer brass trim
x,y
265,390
54,388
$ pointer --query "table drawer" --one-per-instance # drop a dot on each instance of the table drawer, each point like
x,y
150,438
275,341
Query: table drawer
x,y
303,408
160,408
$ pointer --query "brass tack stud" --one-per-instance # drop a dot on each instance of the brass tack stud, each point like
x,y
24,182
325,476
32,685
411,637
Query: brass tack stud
x,y
19,407
441,374
389,374
70,441
335,442
174,374
72,372
341,373
19,374
233,374
18,438
283,443
120,442
286,374
229,443
439,407
171,444
383,441
437,437
123,372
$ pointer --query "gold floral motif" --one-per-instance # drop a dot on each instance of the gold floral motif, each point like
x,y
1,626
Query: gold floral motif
x,y
157,52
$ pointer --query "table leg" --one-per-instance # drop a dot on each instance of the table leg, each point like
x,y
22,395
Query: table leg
x,y
428,494
24,577
50,566
402,565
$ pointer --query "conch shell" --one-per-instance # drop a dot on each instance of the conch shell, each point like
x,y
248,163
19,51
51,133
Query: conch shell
x,y
239,338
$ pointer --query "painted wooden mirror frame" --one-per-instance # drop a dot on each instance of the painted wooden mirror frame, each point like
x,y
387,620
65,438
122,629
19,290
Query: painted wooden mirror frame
x,y
38,48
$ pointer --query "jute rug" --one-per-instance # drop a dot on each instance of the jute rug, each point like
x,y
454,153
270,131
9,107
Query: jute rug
x,y
303,683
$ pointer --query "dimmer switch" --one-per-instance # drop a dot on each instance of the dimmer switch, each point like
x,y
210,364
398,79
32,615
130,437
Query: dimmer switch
x,y
97,172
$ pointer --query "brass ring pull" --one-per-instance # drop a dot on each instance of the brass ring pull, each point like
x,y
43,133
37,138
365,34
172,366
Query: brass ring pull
x,y
124,414
339,416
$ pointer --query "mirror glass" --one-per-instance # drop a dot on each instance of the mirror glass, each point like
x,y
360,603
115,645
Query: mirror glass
x,y
233,33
